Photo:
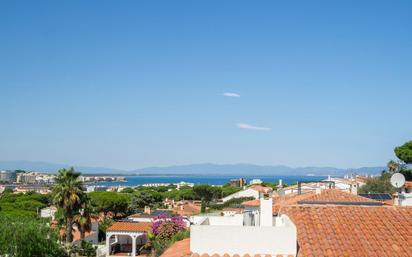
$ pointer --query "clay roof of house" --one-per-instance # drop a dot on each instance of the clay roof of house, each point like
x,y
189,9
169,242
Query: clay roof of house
x,y
327,196
188,209
340,230
337,196
130,226
76,234
408,184
178,249
261,188
337,230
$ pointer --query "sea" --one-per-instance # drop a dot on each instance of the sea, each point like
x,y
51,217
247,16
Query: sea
x,y
132,181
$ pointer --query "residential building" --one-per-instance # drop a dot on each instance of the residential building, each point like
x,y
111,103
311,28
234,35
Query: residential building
x,y
239,182
329,223
404,197
255,181
252,191
26,177
48,212
126,238
8,176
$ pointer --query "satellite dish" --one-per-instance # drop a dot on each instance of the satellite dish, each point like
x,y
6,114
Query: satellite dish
x,y
398,180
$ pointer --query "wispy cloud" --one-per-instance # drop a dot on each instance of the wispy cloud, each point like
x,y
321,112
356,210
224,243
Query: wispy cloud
x,y
252,127
231,94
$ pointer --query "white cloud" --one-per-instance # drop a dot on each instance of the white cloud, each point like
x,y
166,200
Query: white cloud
x,y
252,127
231,94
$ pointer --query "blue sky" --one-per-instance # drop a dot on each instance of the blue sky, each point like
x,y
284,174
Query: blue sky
x,y
129,84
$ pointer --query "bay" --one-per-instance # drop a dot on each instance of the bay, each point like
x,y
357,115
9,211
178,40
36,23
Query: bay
x,y
211,180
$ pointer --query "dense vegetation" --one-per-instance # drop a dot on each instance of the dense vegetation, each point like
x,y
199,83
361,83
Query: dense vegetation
x,y
22,205
381,184
28,237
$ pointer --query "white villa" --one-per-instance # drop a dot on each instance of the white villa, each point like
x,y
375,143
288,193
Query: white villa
x,y
252,191
246,233
125,238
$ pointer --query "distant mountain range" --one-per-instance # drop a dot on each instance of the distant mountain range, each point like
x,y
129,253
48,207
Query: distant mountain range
x,y
195,169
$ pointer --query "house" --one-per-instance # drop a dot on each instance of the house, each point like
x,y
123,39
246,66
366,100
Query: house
x,y
125,238
330,223
245,233
149,216
91,236
404,198
48,212
252,191
186,209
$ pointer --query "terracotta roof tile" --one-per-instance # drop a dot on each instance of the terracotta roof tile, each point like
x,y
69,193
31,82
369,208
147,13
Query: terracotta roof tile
x,y
261,188
337,196
187,209
131,226
334,230
179,249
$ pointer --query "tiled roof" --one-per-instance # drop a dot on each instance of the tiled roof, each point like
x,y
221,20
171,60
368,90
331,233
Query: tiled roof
x,y
337,196
129,226
408,184
261,188
340,230
281,200
332,196
335,230
188,209
76,234
178,249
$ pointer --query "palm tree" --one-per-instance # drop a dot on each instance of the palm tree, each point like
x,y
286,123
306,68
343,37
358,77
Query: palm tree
x,y
393,166
83,219
67,194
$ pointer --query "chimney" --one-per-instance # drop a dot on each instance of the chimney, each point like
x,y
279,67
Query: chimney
x,y
354,188
266,205
280,184
147,210
182,207
318,190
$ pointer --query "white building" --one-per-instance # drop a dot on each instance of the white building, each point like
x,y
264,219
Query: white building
x,y
252,191
125,238
253,233
405,197
255,181
48,212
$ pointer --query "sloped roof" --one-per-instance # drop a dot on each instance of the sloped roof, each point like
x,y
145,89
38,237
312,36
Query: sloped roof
x,y
130,226
336,230
337,196
340,230
261,188
178,249
188,209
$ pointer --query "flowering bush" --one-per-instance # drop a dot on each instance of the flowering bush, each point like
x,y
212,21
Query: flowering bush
x,y
177,223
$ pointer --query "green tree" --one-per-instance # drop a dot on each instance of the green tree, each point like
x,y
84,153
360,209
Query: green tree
x,y
380,184
67,194
393,166
105,202
140,200
83,219
205,193
28,237
404,152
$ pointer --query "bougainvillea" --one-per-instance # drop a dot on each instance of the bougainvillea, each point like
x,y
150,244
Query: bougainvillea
x,y
177,223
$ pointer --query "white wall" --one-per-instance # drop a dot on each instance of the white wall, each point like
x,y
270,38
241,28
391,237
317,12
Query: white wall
x,y
244,193
243,240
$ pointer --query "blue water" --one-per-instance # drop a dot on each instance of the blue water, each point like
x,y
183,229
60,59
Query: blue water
x,y
211,180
